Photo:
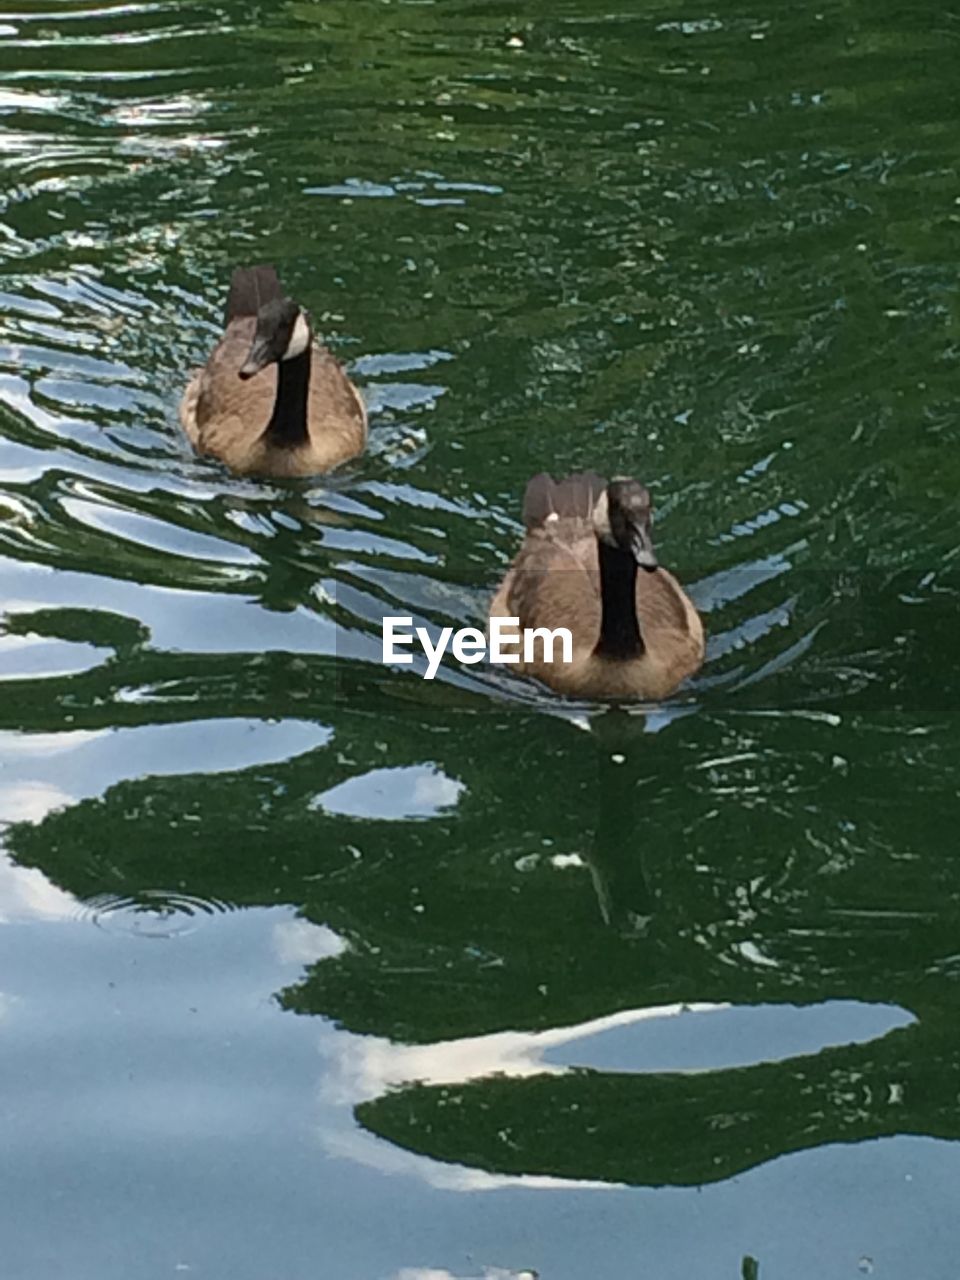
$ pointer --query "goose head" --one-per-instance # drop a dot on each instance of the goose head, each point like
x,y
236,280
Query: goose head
x,y
283,333
623,518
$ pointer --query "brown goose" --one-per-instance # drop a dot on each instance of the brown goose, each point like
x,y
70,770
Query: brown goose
x,y
270,400
587,563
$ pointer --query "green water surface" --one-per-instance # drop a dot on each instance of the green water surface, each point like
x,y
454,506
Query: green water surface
x,y
312,969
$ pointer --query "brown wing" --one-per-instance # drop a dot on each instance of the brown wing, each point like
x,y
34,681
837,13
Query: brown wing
x,y
671,627
224,394
337,416
554,580
222,414
250,288
188,408
573,498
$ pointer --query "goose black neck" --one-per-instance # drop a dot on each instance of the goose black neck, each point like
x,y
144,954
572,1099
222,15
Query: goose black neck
x,y
619,631
288,423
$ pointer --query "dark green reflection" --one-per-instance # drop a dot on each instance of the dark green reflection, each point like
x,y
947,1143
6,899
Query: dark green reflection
x,y
685,1130
764,861
714,251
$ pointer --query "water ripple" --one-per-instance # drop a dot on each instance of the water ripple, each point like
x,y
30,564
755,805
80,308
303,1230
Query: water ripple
x,y
154,914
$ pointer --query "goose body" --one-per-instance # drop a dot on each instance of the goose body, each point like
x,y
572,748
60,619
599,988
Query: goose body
x,y
270,400
587,564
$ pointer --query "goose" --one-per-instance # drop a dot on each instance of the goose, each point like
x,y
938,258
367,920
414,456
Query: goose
x,y
587,563
270,400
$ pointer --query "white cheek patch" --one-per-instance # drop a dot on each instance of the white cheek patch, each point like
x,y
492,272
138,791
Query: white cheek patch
x,y
299,339
601,515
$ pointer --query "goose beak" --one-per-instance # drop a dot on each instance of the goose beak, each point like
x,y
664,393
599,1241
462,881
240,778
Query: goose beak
x,y
260,356
641,544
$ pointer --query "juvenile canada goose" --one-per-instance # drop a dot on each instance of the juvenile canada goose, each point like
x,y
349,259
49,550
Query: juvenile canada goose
x,y
635,634
270,400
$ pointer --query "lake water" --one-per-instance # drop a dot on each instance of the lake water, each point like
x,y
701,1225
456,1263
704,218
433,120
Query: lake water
x,y
311,968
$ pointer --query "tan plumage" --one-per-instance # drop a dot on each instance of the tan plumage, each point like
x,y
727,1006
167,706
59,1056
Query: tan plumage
x,y
555,581
233,417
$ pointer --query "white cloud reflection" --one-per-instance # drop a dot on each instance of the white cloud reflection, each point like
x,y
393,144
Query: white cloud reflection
x,y
27,894
30,801
302,942
360,1068
395,794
